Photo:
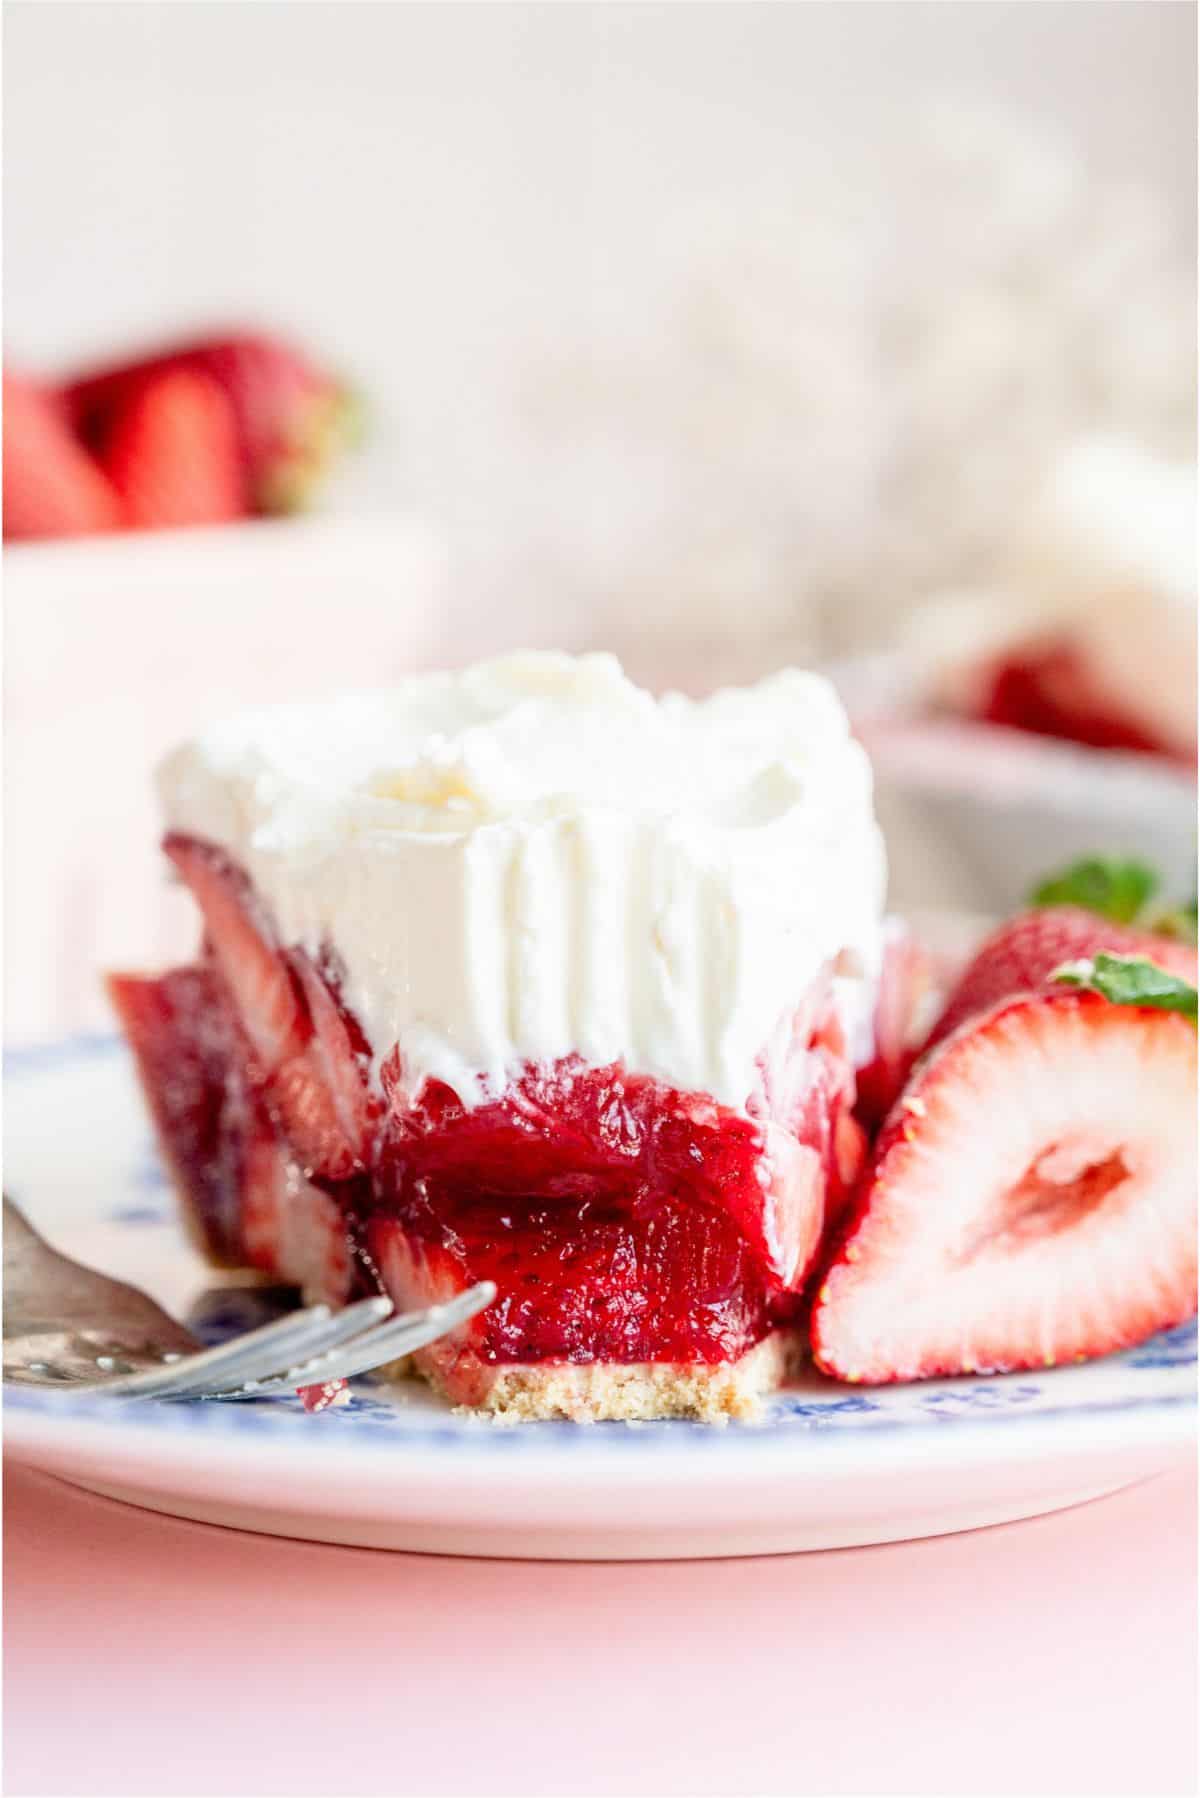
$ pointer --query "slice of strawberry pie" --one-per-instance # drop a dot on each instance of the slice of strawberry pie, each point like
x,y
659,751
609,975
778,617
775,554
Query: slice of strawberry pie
x,y
523,975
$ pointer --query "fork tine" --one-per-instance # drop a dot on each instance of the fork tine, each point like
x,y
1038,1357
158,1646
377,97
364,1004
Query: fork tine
x,y
386,1342
354,1321
267,1347
260,1354
198,1370
400,1335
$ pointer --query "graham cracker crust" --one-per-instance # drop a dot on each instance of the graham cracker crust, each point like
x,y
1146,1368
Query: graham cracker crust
x,y
611,1391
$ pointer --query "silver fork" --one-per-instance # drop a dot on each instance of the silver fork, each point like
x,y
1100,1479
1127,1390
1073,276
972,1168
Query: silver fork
x,y
69,1327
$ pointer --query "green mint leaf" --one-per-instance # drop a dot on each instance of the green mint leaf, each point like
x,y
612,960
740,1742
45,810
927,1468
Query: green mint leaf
x,y
1113,888
1130,980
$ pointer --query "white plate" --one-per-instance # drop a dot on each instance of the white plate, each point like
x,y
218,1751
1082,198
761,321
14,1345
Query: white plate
x,y
830,1467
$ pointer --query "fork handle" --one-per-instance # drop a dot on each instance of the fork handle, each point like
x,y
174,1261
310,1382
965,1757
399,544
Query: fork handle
x,y
19,1233
22,1247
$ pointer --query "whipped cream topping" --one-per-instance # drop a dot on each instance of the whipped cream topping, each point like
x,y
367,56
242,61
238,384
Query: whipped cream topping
x,y
535,858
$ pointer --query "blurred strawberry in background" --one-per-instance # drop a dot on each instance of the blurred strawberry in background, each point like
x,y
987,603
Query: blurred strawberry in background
x,y
172,454
202,433
291,417
52,486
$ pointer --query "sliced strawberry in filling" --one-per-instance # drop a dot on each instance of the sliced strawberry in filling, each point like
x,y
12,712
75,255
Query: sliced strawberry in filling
x,y
311,1064
905,982
207,1114
290,1229
336,1059
244,1194
242,941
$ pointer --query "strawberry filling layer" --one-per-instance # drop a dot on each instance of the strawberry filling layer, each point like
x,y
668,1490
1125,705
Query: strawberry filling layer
x,y
620,1219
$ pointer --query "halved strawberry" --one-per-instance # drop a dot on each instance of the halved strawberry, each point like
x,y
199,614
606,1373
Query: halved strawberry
x,y
311,1071
1032,1198
1022,954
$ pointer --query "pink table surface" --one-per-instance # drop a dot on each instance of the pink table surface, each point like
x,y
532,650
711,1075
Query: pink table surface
x,y
145,1655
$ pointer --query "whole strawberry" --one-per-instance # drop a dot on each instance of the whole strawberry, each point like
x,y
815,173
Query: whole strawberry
x,y
1095,905
52,487
172,454
291,417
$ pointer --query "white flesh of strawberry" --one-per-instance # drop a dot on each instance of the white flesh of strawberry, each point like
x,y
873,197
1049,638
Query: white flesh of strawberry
x,y
966,1261
414,1276
290,1229
793,1204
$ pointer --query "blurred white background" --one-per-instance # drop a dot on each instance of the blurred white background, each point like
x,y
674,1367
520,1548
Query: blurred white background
x,y
564,248
717,333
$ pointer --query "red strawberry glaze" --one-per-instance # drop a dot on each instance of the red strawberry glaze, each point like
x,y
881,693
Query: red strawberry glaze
x,y
620,1219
